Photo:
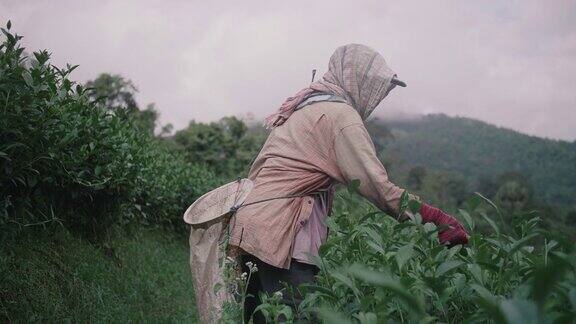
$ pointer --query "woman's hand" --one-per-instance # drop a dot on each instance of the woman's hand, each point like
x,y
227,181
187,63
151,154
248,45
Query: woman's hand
x,y
455,233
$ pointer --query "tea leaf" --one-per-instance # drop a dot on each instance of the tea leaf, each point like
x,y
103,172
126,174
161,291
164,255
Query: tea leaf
x,y
447,266
467,219
520,312
414,206
404,254
385,281
331,317
492,224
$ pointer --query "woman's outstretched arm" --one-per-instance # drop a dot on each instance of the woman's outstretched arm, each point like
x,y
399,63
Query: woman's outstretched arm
x,y
356,158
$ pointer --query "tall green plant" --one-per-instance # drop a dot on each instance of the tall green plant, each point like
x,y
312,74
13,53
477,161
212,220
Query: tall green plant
x,y
375,269
63,158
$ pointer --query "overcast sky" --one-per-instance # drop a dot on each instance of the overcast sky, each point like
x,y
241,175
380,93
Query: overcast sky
x,y
511,63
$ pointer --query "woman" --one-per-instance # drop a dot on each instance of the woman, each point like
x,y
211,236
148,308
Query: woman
x,y
318,139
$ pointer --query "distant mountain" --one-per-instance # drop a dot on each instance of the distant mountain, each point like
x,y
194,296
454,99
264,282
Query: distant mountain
x,y
479,151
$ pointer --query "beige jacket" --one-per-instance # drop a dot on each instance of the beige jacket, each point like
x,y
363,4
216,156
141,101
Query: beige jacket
x,y
317,145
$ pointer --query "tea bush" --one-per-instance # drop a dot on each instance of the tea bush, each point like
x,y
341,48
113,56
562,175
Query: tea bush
x,y
229,146
375,269
65,159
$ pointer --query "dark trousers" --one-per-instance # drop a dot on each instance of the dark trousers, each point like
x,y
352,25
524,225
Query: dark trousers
x,y
269,279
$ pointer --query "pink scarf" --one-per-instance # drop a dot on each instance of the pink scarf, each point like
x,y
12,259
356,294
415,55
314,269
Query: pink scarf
x,y
356,73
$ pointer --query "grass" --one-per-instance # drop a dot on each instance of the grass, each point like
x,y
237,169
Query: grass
x,y
56,277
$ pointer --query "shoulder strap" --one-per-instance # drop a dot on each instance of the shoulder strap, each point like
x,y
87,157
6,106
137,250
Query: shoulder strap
x,y
319,97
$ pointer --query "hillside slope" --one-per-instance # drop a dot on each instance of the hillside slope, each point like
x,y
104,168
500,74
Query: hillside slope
x,y
478,150
138,276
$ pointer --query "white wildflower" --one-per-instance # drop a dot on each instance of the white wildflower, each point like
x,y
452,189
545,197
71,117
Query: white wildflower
x,y
252,267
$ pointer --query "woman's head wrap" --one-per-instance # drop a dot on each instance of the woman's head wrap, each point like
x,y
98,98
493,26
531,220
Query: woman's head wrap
x,y
356,73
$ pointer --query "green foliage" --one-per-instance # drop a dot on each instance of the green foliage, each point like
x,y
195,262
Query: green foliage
x,y
117,95
375,269
416,177
62,154
273,309
380,134
227,146
87,157
444,160
483,152
113,92
514,193
445,189
166,185
55,277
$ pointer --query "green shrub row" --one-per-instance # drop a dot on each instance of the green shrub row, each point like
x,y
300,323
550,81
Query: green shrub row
x,y
375,270
65,159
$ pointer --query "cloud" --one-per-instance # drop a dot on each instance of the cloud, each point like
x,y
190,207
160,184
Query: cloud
x,y
511,63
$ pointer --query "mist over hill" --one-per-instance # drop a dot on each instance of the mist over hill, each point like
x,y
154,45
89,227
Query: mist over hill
x,y
479,152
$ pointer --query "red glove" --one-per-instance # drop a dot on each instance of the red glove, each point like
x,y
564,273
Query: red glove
x,y
455,234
